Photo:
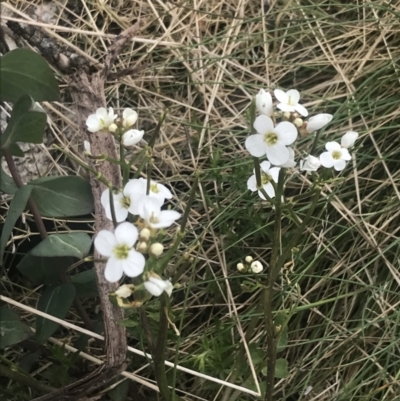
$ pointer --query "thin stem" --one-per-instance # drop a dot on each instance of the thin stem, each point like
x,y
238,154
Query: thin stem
x,y
157,130
189,203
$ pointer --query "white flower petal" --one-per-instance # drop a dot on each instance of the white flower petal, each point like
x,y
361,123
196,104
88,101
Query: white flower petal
x,y
260,194
126,233
265,166
286,107
348,139
345,154
293,97
168,287
135,186
162,190
277,154
287,132
310,163
124,291
332,146
326,159
269,189
252,183
339,165
255,145
263,124
149,206
105,242
274,173
264,103
166,219
101,113
301,110
132,137
317,122
93,123
290,163
280,96
129,117
155,286
133,265
113,271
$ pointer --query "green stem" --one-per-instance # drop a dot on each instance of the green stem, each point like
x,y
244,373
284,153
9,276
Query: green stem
x,y
267,294
157,130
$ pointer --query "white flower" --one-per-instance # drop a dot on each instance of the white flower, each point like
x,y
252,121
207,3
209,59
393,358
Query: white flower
x,y
317,122
335,156
129,117
348,139
154,217
139,186
267,175
132,137
155,285
125,291
118,247
271,140
290,163
310,163
124,202
256,267
289,101
100,120
264,103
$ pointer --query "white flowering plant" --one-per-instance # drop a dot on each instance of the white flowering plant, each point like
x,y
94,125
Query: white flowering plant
x,y
275,132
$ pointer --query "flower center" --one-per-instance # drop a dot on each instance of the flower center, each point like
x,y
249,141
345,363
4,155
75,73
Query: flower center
x,y
154,188
125,202
270,138
265,178
336,154
154,218
290,102
121,251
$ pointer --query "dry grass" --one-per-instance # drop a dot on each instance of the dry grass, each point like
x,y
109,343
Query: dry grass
x,y
204,60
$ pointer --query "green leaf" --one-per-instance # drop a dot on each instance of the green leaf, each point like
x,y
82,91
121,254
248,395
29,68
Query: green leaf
x,y
7,184
63,196
22,72
17,206
57,245
120,392
25,125
281,368
44,270
55,301
12,331
85,284
15,150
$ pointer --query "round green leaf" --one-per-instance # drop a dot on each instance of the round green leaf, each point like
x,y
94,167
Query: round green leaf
x,y
23,71
281,368
63,196
57,245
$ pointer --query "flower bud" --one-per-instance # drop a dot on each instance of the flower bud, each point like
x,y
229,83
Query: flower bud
x,y
124,291
132,137
240,267
348,139
113,127
155,285
256,267
145,234
156,249
286,116
298,122
248,259
129,117
310,163
317,122
264,103
141,247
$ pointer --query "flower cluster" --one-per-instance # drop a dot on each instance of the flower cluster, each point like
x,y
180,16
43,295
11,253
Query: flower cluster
x,y
108,121
275,140
125,248
250,265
